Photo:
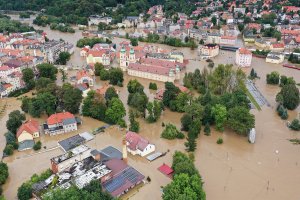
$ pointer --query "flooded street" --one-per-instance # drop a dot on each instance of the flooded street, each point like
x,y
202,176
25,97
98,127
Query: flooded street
x,y
235,170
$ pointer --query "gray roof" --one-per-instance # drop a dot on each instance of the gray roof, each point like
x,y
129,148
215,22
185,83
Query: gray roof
x,y
69,121
111,152
26,144
71,142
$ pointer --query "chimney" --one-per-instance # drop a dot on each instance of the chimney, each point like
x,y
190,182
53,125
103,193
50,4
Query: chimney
x,y
124,149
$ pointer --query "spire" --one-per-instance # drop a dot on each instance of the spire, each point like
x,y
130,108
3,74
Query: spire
x,y
124,149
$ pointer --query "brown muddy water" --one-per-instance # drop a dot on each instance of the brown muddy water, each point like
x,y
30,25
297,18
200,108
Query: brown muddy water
x,y
268,169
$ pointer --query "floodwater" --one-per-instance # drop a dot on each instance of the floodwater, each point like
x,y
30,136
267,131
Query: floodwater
x,y
268,169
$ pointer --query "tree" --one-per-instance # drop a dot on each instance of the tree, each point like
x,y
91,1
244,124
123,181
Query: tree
x,y
220,113
186,121
134,42
152,86
47,70
190,144
207,129
64,75
8,150
110,93
138,101
134,86
170,93
240,120
289,96
195,110
115,76
72,98
154,111
94,106
241,27
63,58
115,111
28,77
3,173
98,68
295,125
180,102
134,125
25,192
214,20
171,132
15,119
273,78
37,146
183,164
184,187
43,83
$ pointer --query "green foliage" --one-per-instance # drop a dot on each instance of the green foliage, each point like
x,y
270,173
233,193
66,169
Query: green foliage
x,y
295,125
220,141
115,76
181,100
273,78
103,26
134,42
47,70
134,125
3,173
15,119
43,83
170,93
98,68
12,26
9,150
62,28
289,96
207,129
63,58
295,58
240,120
152,86
92,191
25,192
253,74
134,86
183,164
171,132
91,42
37,146
184,187
23,15
282,112
72,98
110,93
220,113
28,77
115,111
186,121
138,101
261,52
94,106
286,80
154,110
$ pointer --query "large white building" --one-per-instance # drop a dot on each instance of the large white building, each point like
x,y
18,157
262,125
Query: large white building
x,y
275,57
243,57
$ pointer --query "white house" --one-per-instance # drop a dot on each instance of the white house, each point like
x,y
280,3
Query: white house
x,y
136,145
275,58
243,57
84,77
59,123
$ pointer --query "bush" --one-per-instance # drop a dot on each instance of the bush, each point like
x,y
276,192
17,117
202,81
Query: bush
x,y
171,132
273,78
207,129
37,146
295,125
9,150
152,86
25,192
220,141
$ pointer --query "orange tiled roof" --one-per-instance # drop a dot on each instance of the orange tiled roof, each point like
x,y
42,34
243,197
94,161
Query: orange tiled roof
x,y
59,117
30,127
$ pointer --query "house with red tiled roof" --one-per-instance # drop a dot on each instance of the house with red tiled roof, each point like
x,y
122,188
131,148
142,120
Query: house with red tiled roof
x,y
83,76
28,131
137,145
277,47
255,26
60,123
5,70
102,89
102,56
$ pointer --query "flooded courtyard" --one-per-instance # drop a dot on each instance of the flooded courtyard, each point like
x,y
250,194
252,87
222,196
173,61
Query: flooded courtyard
x,y
268,169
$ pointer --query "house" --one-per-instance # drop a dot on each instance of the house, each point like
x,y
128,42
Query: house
x,y
278,47
243,57
209,51
60,123
228,40
15,79
96,19
3,91
27,133
84,88
213,38
254,26
136,145
83,77
5,70
131,21
275,58
102,56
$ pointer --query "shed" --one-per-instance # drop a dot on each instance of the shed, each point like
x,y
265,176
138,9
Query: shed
x,y
165,169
